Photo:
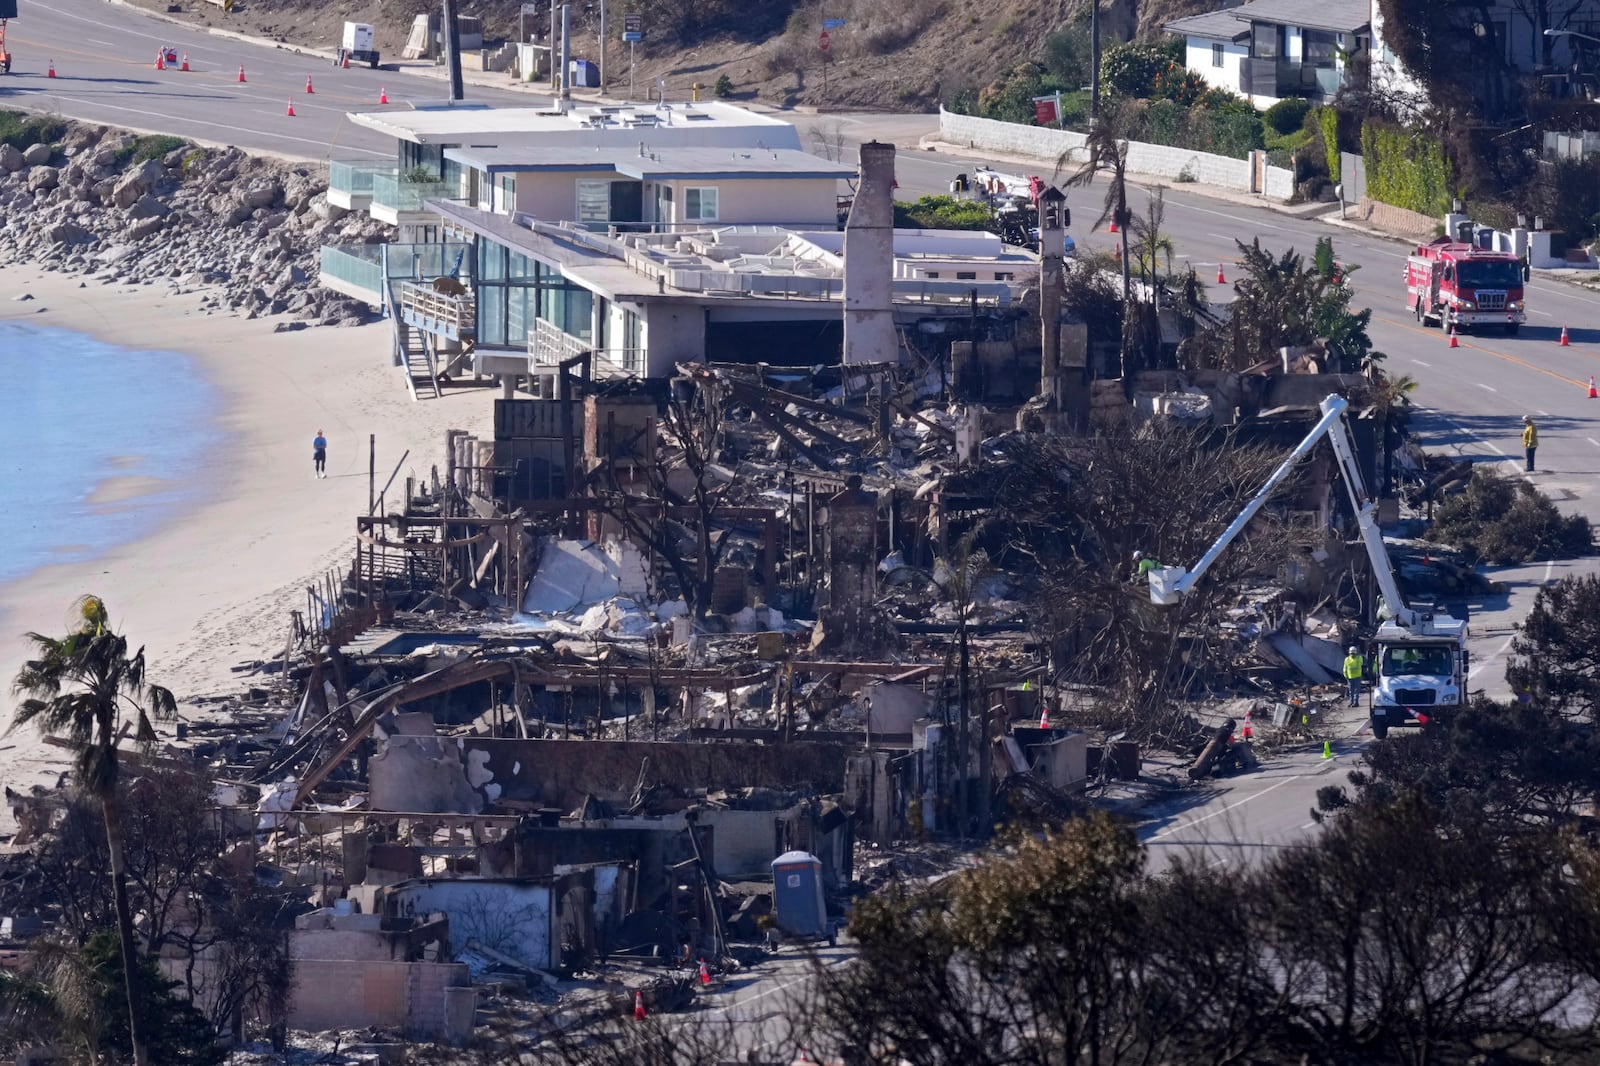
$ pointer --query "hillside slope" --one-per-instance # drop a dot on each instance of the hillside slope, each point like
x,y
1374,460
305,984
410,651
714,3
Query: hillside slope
x,y
890,55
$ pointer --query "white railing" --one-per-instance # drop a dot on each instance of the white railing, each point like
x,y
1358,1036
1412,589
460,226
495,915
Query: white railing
x,y
550,346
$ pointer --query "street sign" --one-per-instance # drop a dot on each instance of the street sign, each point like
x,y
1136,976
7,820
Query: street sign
x,y
633,23
632,37
530,9
822,42
832,24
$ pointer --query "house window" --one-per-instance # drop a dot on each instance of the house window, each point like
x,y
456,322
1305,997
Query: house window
x,y
1004,275
966,275
932,275
506,194
1265,40
700,203
1216,55
1321,49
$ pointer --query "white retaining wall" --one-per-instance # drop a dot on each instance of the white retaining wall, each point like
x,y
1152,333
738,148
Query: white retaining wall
x,y
1174,164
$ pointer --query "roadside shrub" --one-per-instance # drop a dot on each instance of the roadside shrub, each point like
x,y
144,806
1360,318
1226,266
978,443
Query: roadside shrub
x,y
1501,521
1406,169
941,212
21,130
1287,115
1327,120
1131,69
723,88
151,146
1066,54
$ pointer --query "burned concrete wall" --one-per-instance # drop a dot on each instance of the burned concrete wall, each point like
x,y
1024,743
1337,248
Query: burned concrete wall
x,y
516,918
559,773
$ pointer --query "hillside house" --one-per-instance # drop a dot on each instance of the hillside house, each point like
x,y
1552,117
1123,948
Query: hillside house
x,y
1266,50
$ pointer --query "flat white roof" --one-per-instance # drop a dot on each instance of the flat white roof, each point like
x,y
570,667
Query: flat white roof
x,y
929,243
497,125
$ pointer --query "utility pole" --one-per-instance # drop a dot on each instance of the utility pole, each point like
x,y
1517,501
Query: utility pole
x,y
566,59
555,26
1094,61
604,45
452,51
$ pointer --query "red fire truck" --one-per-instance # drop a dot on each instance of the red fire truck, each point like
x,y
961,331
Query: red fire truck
x,y
1458,284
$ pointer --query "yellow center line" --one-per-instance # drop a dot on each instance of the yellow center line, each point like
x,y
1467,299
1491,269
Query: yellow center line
x,y
1503,356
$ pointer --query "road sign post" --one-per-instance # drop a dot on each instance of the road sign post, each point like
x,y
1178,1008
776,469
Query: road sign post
x,y
632,33
822,43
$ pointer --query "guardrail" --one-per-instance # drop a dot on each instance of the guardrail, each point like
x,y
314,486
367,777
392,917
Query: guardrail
x,y
421,304
358,265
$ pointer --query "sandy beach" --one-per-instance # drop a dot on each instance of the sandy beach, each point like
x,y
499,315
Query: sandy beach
x,y
213,587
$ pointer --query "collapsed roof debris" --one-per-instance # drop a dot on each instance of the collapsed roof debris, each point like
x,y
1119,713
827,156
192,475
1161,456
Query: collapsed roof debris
x,y
608,668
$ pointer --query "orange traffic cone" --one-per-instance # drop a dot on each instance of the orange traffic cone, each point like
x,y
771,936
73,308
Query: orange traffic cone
x,y
52,72
291,109
383,95
1113,225
638,1005
1453,342
309,89
344,60
161,60
705,974
1220,279
1564,342
1594,394
1044,718
185,67
241,73
1249,733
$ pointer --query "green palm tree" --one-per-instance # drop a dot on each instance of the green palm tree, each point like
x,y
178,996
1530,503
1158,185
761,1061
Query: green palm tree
x,y
86,685
1105,152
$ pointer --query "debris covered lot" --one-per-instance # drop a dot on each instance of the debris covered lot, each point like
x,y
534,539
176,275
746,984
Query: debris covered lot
x,y
657,682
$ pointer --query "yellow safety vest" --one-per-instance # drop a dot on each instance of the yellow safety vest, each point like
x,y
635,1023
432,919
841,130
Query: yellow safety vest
x,y
1352,667
1530,436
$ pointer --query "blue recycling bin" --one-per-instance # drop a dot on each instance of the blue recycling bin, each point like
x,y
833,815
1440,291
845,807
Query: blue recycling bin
x,y
585,74
797,900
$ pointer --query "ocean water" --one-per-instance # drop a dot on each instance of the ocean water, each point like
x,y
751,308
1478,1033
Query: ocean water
x,y
99,445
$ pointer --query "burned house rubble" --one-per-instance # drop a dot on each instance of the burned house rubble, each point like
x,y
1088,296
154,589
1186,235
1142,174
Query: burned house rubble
x,y
551,731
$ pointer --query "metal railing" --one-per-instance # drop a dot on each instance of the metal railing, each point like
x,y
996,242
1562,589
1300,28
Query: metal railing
x,y
365,265
355,177
389,191
550,346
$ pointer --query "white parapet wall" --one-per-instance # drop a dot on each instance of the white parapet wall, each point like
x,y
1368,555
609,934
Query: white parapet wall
x,y
1157,160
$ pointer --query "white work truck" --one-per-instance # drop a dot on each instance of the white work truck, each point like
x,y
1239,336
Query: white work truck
x,y
1421,662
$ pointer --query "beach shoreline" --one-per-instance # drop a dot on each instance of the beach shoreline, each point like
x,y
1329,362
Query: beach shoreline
x,y
213,585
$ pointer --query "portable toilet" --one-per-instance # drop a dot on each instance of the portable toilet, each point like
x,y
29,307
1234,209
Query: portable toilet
x,y
797,903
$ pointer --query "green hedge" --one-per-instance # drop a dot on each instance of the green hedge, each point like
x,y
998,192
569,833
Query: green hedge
x,y
1405,169
1328,122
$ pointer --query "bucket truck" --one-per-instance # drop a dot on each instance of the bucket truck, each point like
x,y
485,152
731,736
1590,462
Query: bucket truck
x,y
1421,664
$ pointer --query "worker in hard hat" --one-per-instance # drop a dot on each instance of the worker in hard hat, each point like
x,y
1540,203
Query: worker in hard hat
x,y
1530,439
1143,564
1354,667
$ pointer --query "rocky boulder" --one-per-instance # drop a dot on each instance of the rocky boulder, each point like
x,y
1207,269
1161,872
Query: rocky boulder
x,y
137,182
41,178
36,155
10,159
259,193
148,206
145,227
67,233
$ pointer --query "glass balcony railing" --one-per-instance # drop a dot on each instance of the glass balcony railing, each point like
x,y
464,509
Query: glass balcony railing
x,y
354,178
407,196
360,265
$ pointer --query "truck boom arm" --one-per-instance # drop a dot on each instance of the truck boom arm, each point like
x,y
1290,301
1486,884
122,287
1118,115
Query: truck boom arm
x,y
1170,584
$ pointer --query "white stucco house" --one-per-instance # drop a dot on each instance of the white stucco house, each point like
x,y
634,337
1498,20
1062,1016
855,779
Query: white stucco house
x,y
1266,50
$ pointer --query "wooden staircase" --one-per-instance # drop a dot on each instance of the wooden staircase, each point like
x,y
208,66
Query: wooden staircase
x,y
413,354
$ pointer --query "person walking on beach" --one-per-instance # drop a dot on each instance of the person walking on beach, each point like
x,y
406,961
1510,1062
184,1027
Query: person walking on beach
x,y
1530,439
319,453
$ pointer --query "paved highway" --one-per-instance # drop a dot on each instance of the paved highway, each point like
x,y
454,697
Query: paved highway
x,y
104,55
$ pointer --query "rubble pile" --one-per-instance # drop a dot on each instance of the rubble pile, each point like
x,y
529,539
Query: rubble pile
x,y
243,229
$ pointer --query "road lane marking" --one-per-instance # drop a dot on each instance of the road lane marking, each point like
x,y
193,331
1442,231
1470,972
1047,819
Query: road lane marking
x,y
1491,445
1506,357
1544,414
1232,806
224,126
1491,388
1419,362
1549,569
1536,311
1596,443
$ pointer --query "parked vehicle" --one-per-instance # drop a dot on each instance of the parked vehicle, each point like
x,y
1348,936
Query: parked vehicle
x,y
359,45
1458,284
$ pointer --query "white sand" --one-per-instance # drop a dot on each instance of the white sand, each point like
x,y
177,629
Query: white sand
x,y
214,587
